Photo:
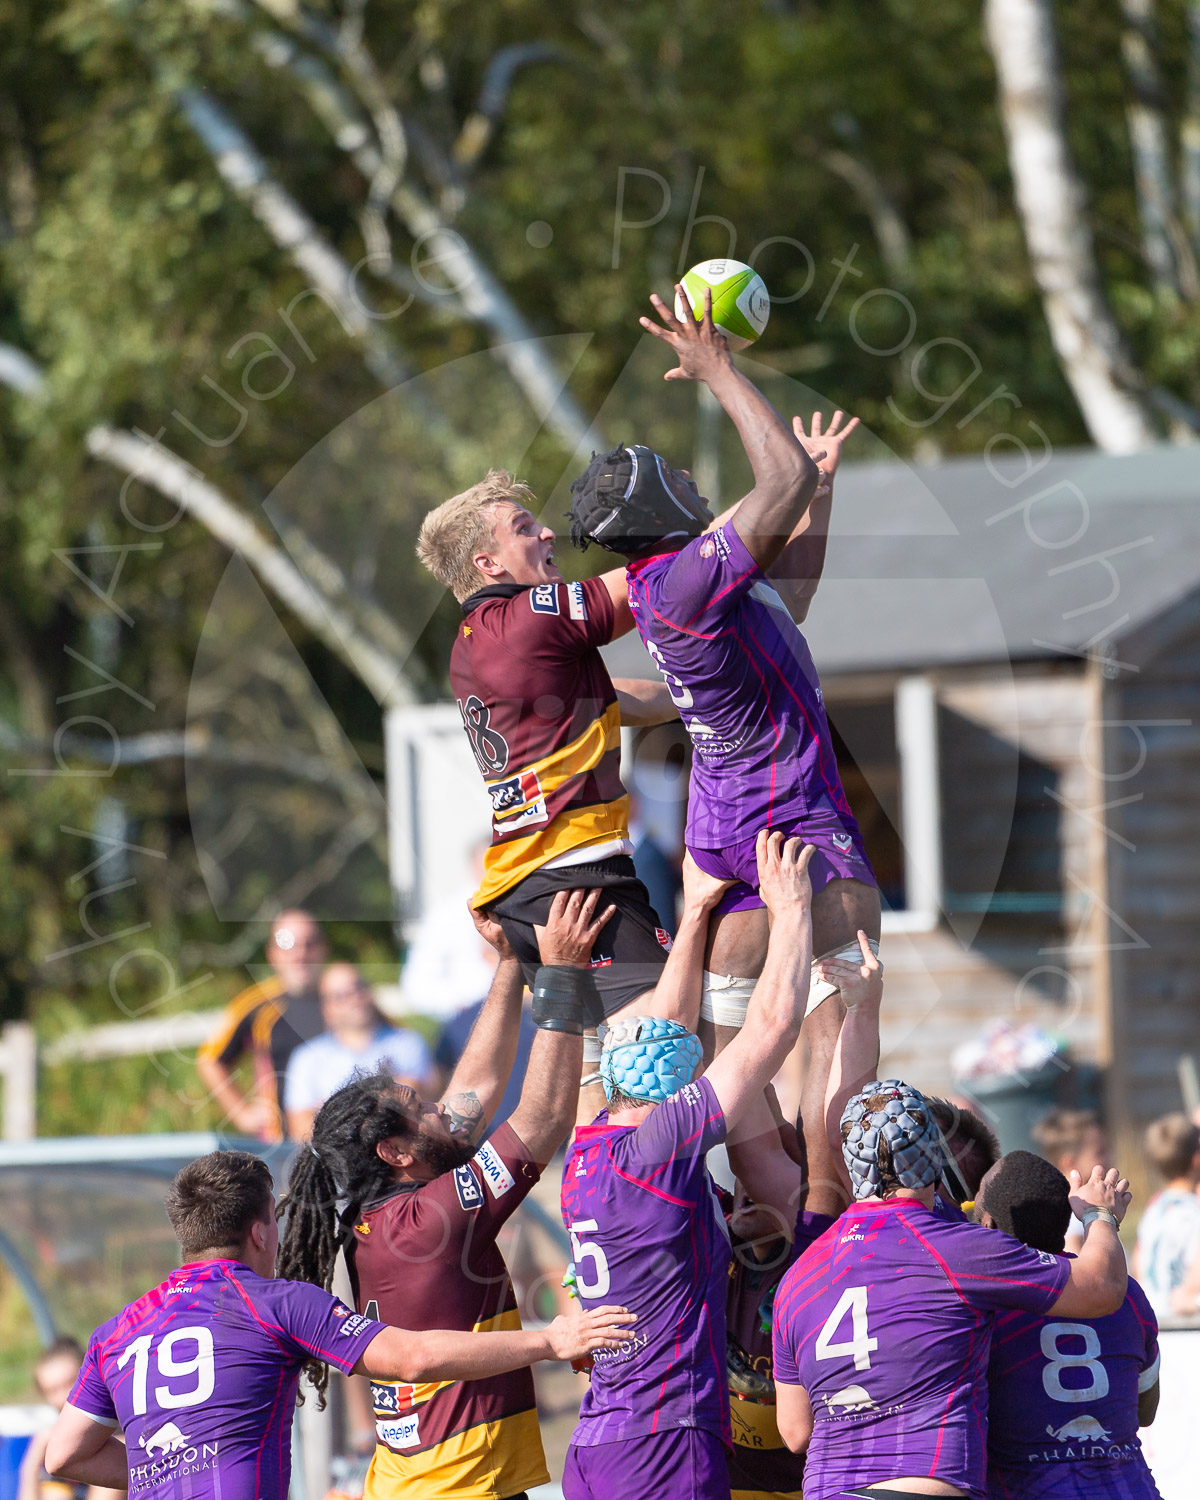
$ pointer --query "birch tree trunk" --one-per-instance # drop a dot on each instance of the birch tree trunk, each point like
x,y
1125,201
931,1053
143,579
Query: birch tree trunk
x,y
1149,140
1052,205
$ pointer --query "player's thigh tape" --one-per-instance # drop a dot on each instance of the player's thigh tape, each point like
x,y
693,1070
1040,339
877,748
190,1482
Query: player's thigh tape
x,y
821,989
724,999
593,1049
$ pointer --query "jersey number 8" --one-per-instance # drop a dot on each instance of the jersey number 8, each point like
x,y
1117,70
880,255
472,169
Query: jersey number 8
x,y
1086,1359
201,1365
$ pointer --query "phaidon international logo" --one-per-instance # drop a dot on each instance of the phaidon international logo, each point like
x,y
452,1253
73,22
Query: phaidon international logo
x,y
170,1451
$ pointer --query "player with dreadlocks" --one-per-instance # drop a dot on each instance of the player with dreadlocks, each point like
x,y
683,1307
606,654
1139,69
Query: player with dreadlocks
x,y
200,1374
883,1327
423,1197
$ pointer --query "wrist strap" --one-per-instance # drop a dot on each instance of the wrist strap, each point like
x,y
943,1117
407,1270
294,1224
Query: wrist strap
x,y
562,995
1093,1214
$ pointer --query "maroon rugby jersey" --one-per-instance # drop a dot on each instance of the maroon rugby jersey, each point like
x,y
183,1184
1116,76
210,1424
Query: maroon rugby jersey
x,y
425,1256
541,713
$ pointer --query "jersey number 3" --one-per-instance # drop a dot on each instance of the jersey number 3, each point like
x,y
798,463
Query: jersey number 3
x,y
201,1366
860,1345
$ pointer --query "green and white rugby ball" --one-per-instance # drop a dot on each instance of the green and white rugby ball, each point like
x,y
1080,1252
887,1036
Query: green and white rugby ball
x,y
740,303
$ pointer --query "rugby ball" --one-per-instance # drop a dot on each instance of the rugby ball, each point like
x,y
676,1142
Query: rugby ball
x,y
740,303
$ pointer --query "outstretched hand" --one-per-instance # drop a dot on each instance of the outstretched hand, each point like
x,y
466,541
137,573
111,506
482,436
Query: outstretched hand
x,y
1102,1190
856,982
700,346
783,881
597,1328
824,447
572,928
701,891
491,932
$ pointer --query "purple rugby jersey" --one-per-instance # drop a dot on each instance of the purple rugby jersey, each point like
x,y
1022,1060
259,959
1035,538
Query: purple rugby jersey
x,y
886,1322
1062,1404
747,690
647,1233
200,1374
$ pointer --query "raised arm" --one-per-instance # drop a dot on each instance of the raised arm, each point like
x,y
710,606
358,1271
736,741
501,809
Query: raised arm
x,y
550,1094
785,475
676,996
449,1354
797,570
1098,1276
776,1010
856,1056
478,1082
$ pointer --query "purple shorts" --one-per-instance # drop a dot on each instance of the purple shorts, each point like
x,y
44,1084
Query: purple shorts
x,y
685,1463
839,855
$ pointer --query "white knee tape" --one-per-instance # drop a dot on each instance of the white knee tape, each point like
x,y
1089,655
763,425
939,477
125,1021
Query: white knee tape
x,y
724,999
592,1047
821,989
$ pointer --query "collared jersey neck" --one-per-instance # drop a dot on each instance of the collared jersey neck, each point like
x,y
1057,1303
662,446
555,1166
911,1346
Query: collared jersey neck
x,y
492,591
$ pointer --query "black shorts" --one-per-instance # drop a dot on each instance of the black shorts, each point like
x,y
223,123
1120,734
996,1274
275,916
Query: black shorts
x,y
630,952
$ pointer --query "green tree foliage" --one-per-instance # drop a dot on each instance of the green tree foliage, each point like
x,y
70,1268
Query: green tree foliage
x,y
859,148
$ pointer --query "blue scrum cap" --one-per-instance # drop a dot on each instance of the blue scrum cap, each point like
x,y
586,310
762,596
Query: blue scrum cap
x,y
648,1058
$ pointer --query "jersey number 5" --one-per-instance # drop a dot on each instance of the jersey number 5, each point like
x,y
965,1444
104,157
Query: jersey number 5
x,y
854,1301
588,1250
202,1365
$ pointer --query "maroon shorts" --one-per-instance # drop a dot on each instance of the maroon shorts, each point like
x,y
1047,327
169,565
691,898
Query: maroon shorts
x,y
839,856
684,1463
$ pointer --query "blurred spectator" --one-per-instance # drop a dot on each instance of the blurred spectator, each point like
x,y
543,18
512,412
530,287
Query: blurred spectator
x,y
1074,1140
448,966
54,1375
1167,1258
655,868
356,1038
453,1041
267,1021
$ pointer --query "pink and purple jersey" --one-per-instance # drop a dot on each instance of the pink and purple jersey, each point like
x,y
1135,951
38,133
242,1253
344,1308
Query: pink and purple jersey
x,y
647,1233
200,1375
886,1322
1063,1397
746,687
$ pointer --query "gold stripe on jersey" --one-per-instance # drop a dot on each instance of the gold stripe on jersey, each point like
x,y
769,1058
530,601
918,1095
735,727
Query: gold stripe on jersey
x,y
467,1465
507,863
236,1012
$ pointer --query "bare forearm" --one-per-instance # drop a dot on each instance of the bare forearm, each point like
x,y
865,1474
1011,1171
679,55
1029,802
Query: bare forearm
x,y
478,1082
785,477
644,702
450,1354
1098,1276
107,1468
797,570
855,1061
677,993
550,1093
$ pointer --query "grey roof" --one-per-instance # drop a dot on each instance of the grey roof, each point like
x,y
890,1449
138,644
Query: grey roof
x,y
975,560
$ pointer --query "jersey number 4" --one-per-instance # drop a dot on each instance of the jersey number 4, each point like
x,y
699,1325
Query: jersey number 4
x,y
860,1345
201,1366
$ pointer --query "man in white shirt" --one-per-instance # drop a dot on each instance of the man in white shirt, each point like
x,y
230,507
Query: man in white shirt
x,y
356,1038
1167,1258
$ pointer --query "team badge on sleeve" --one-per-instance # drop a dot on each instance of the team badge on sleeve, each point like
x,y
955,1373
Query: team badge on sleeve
x,y
543,599
497,1176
